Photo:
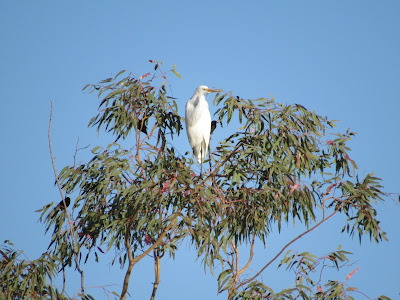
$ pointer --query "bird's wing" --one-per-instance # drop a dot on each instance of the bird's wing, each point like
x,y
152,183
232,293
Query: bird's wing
x,y
190,123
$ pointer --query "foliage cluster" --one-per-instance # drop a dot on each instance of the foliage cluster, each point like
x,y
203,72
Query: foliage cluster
x,y
283,165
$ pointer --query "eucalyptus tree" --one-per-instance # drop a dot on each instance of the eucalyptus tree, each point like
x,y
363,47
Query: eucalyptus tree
x,y
139,196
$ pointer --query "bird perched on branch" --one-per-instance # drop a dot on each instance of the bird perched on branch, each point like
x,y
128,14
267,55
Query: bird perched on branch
x,y
61,206
198,122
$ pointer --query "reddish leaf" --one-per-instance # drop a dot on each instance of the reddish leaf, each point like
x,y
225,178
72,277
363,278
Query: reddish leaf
x,y
319,289
328,190
352,161
147,239
293,188
143,76
165,186
352,273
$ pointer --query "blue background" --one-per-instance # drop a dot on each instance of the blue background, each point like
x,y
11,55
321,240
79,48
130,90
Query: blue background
x,y
339,58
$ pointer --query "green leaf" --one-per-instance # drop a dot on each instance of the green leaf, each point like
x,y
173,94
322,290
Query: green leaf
x,y
176,73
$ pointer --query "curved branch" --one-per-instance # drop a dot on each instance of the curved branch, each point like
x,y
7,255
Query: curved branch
x,y
287,245
250,258
158,242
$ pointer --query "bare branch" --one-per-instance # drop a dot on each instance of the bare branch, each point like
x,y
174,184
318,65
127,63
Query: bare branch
x,y
56,175
72,234
250,258
157,258
287,245
77,149
63,290
131,262
235,257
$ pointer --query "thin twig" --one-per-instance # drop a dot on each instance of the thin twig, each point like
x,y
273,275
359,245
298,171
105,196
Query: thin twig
x,y
56,175
63,290
72,234
77,149
223,162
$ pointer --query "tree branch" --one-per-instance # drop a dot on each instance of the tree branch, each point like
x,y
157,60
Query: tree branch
x,y
250,258
133,261
72,234
63,290
56,176
158,242
236,270
223,162
287,245
156,273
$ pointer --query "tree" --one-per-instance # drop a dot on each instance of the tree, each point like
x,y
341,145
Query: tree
x,y
283,165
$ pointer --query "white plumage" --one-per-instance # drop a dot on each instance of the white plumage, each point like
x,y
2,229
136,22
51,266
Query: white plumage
x,y
198,122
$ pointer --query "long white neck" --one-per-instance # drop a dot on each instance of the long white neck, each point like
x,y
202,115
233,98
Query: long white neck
x,y
198,96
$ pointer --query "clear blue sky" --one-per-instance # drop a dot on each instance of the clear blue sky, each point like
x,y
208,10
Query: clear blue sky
x,y
339,58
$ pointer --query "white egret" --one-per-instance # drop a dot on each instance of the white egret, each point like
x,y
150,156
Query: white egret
x,y
198,122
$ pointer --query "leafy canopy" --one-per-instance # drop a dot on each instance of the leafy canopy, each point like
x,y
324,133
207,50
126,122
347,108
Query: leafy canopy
x,y
284,164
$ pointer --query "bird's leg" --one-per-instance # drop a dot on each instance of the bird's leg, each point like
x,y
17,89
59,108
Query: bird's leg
x,y
209,157
209,151
201,163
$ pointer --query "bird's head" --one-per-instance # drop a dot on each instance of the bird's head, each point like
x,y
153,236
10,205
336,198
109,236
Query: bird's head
x,y
205,89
